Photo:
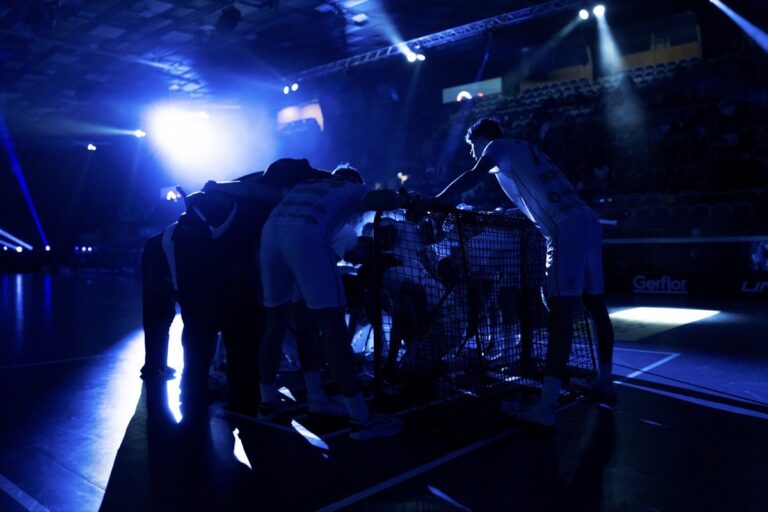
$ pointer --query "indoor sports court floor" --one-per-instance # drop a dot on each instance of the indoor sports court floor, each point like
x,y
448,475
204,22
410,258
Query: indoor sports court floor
x,y
80,432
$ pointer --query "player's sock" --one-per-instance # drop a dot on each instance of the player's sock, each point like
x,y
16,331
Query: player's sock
x,y
358,410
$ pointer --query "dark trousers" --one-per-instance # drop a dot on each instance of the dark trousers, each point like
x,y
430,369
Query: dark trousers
x,y
158,303
239,318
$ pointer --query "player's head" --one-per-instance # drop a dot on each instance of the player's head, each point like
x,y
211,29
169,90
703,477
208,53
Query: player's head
x,y
482,131
348,172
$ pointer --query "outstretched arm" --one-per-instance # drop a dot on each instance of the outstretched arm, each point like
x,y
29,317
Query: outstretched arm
x,y
467,180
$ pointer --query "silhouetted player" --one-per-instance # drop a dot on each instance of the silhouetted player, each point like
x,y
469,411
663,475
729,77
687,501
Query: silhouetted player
x,y
296,252
574,253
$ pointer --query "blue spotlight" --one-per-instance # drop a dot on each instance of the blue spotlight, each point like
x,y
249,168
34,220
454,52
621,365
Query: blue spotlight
x,y
295,87
751,30
286,89
139,134
599,10
91,147
15,239
584,14
411,57
19,248
17,172
47,248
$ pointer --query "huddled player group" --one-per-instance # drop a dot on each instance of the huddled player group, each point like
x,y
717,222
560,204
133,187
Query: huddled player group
x,y
251,258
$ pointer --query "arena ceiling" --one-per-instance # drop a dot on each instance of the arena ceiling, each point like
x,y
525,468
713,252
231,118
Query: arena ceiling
x,y
82,57
61,55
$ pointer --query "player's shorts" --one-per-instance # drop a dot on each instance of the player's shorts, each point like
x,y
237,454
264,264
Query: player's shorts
x,y
575,257
290,259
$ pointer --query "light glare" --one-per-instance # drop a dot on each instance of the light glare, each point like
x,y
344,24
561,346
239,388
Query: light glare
x,y
139,134
463,95
295,87
584,14
91,147
664,316
599,11
286,89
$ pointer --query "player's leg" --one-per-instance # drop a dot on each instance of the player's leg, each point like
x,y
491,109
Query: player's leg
x,y
278,285
158,309
594,301
565,276
322,288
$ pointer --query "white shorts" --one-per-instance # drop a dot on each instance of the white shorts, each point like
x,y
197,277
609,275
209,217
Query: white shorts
x,y
291,259
575,257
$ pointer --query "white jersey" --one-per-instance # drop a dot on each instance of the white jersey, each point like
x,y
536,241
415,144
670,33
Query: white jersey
x,y
534,183
319,207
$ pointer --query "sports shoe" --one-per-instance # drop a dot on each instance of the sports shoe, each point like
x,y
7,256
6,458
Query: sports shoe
x,y
328,405
377,425
535,414
604,392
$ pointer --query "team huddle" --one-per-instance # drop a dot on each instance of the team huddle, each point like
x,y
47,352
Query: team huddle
x,y
253,257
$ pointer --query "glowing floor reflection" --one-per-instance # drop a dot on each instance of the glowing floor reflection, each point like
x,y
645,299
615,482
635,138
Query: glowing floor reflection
x,y
310,436
175,360
239,450
664,316
638,323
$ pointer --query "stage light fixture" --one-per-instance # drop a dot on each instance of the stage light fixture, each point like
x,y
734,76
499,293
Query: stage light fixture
x,y
139,134
463,95
286,89
584,14
411,57
19,248
421,57
47,248
599,10
91,147
294,87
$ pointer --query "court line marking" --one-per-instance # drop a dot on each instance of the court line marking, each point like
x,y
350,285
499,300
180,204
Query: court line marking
x,y
642,351
734,409
24,499
52,361
650,367
386,484
402,477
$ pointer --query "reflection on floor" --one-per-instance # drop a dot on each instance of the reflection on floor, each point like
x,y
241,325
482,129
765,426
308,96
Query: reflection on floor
x,y
80,431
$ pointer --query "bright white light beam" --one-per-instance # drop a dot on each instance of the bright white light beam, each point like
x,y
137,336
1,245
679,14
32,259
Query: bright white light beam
x,y
760,37
14,239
